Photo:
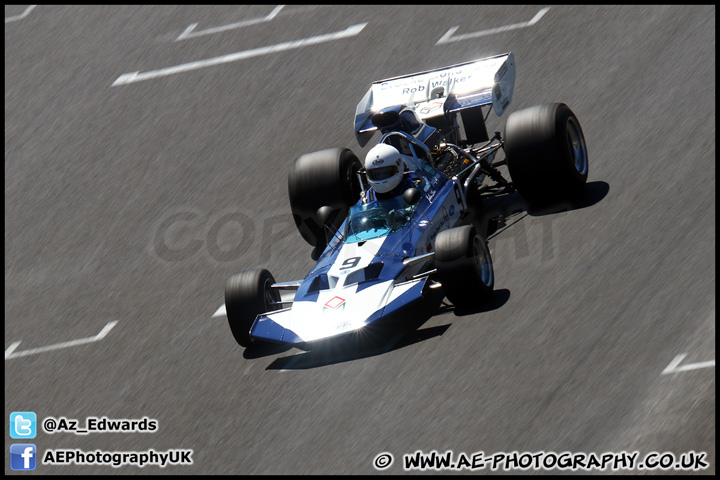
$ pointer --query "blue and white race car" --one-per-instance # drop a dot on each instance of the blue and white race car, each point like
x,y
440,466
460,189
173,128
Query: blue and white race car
x,y
389,230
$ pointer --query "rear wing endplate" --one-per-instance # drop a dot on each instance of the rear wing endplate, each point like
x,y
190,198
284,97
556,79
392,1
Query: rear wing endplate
x,y
437,92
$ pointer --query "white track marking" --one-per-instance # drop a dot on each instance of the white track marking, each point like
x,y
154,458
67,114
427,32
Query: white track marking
x,y
220,311
448,37
21,16
11,349
188,33
675,368
11,353
233,57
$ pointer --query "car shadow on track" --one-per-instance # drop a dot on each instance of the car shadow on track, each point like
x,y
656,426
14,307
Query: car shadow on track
x,y
594,193
494,214
265,351
400,332
344,352
499,298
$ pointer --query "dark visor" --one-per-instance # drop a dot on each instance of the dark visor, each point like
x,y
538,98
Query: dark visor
x,y
382,173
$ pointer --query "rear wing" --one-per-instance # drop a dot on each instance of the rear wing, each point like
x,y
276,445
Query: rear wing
x,y
434,93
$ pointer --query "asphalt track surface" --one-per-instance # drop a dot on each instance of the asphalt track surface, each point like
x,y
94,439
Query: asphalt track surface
x,y
133,203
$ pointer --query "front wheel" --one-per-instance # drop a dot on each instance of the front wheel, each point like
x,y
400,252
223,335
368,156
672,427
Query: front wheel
x,y
464,266
248,294
325,178
546,153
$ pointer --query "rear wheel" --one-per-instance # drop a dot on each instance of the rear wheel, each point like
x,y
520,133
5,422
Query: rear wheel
x,y
248,294
319,179
546,153
464,266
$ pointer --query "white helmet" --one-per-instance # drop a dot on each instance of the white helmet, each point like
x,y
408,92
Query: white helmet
x,y
384,167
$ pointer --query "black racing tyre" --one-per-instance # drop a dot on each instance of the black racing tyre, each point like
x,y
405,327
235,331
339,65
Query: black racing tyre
x,y
464,266
247,294
324,178
546,153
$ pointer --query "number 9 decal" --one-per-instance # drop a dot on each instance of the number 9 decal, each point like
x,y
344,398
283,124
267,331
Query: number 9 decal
x,y
351,262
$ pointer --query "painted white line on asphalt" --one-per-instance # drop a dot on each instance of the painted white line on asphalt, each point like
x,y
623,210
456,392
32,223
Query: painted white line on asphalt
x,y
11,353
21,16
449,38
675,367
188,33
132,77
11,349
220,312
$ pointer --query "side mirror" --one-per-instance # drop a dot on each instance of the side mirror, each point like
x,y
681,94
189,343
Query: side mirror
x,y
412,196
324,214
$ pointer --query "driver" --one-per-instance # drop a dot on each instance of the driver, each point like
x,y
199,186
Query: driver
x,y
385,169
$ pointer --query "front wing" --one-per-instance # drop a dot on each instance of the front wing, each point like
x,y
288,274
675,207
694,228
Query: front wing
x,y
303,324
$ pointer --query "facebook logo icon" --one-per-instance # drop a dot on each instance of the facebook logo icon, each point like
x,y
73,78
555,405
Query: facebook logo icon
x,y
22,456
23,425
